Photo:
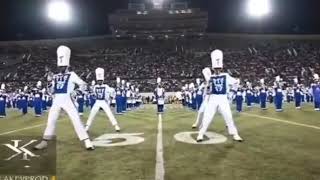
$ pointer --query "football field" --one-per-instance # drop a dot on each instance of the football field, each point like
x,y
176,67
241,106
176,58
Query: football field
x,y
277,146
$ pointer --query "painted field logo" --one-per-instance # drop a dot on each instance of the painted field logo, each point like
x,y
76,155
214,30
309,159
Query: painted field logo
x,y
21,150
17,157
212,138
108,140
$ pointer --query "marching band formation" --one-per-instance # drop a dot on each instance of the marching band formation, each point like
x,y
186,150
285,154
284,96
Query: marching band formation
x,y
66,91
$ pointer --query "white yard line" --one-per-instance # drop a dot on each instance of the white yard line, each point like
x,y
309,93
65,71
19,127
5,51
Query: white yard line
x,y
26,128
283,121
159,157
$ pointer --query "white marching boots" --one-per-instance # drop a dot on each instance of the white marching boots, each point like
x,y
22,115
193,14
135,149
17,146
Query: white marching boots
x,y
42,145
117,128
88,144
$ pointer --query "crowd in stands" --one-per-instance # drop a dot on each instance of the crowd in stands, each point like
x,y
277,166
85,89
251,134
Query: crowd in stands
x,y
176,65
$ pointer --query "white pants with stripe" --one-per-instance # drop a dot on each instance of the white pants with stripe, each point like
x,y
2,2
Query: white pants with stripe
x,y
64,101
218,103
201,111
96,107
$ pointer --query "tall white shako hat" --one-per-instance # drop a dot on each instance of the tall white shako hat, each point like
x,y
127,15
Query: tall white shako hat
x,y
25,88
3,86
158,80
316,77
278,79
63,56
262,81
198,81
128,85
191,86
217,58
93,83
123,82
118,80
100,74
39,84
295,80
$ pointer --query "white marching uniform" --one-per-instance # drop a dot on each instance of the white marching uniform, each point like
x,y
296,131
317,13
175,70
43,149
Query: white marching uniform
x,y
218,101
103,93
219,85
63,86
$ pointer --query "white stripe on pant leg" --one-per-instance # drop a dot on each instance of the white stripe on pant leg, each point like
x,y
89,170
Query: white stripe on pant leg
x,y
159,157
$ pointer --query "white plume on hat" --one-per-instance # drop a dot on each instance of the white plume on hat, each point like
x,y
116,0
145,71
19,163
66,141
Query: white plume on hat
x,y
191,85
93,83
100,74
316,76
217,58
123,82
3,86
128,84
25,88
158,80
198,81
118,80
278,78
206,73
261,81
39,84
63,56
295,80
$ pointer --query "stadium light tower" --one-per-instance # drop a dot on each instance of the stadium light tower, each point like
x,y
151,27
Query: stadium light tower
x,y
59,10
258,8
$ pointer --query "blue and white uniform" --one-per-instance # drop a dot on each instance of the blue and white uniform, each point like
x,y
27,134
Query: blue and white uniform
x,y
160,97
37,102
218,101
102,93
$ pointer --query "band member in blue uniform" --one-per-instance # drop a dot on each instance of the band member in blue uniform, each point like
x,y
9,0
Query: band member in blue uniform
x,y
160,96
263,95
219,84
297,93
249,95
3,98
278,94
80,101
316,92
24,100
124,96
44,100
37,93
239,99
63,85
102,92
118,97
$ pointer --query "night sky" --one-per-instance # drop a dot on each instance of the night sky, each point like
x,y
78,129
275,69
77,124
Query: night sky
x,y
27,19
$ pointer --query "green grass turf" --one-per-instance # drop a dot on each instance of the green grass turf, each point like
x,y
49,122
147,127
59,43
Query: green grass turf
x,y
272,150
